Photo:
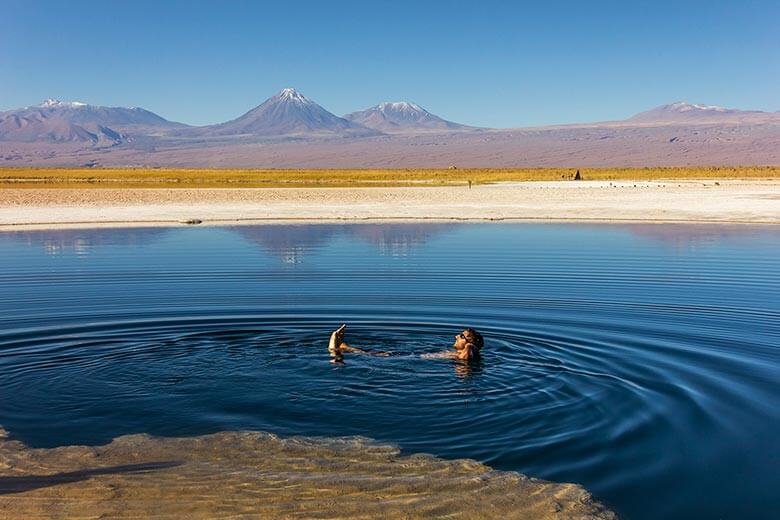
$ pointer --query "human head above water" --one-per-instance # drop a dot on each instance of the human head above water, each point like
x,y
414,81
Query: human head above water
x,y
469,336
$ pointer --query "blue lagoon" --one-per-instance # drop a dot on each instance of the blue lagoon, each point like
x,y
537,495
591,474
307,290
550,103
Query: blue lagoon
x,y
640,361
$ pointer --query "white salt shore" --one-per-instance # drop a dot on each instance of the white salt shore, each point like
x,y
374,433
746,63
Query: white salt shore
x,y
723,201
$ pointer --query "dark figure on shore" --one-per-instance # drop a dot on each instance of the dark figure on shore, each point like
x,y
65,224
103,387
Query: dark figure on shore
x,y
467,346
577,176
469,183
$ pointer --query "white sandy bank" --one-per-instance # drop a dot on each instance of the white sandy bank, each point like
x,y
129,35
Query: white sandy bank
x,y
725,201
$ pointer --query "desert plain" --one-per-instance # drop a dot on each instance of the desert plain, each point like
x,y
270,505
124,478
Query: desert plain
x,y
67,198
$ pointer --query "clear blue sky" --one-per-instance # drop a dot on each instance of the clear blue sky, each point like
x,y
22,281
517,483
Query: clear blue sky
x,y
488,63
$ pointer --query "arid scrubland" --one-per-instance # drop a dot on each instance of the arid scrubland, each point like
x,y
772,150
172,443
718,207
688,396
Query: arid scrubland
x,y
272,178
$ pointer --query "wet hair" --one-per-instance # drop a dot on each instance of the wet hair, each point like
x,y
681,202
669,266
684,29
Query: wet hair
x,y
475,338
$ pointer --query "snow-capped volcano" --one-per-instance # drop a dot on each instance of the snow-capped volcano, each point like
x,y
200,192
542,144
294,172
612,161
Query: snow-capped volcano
x,y
683,106
120,118
288,113
56,103
401,116
292,95
401,107
74,121
684,112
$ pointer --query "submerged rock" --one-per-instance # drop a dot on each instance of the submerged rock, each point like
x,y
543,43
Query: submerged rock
x,y
250,474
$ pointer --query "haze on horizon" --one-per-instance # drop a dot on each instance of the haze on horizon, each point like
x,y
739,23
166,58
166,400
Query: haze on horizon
x,y
478,63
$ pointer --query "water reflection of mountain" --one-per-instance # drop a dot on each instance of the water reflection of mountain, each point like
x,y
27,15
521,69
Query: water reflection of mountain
x,y
81,241
693,236
398,239
292,243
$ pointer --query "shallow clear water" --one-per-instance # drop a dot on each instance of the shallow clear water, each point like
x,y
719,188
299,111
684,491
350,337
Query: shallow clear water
x,y
641,361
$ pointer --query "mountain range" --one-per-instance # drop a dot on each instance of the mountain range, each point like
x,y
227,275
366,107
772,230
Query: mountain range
x,y
296,131
288,113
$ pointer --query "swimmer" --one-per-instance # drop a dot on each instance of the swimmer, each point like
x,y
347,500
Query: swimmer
x,y
468,345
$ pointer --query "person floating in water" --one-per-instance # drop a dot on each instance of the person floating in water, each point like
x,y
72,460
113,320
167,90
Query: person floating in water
x,y
467,346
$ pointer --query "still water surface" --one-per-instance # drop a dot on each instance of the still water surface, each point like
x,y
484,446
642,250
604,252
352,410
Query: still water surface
x,y
641,361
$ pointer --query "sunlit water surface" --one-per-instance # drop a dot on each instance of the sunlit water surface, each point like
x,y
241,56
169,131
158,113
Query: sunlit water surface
x,y
638,360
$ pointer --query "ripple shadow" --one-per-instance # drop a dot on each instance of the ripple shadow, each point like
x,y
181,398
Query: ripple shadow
x,y
21,484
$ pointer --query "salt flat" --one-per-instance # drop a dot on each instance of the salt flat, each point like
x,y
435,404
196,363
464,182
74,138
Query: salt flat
x,y
724,201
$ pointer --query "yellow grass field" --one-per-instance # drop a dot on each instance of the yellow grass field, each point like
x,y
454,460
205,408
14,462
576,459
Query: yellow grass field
x,y
225,178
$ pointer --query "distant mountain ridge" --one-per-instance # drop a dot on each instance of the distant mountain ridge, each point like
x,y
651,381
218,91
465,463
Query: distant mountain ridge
x,y
402,116
73,121
289,117
684,112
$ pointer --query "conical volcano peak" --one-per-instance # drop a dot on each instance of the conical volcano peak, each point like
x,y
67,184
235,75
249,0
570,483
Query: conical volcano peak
x,y
290,94
401,106
287,113
402,116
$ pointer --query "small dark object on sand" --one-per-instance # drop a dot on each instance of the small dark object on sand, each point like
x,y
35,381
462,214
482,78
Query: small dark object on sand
x,y
191,221
577,176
